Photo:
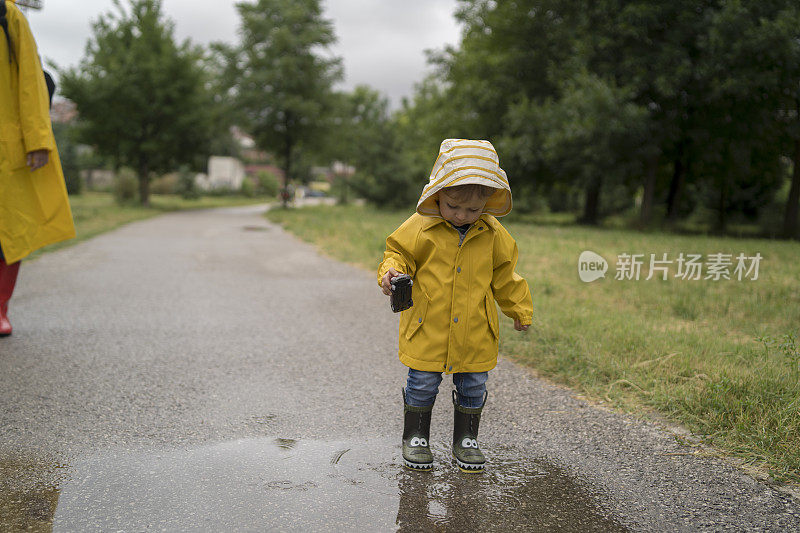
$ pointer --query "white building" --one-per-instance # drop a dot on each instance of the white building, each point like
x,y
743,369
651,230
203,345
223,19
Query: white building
x,y
223,173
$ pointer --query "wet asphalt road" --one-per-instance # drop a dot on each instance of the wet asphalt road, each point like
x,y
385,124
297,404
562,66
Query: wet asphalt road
x,y
208,371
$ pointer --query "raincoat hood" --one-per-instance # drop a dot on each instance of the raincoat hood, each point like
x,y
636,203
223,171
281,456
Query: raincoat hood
x,y
464,161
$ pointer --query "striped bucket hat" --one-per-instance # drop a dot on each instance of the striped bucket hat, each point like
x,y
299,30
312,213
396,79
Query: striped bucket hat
x,y
463,161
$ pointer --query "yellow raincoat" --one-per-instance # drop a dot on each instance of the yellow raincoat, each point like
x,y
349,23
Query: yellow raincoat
x,y
34,208
453,325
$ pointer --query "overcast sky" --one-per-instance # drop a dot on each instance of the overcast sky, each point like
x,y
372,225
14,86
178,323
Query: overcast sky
x,y
382,42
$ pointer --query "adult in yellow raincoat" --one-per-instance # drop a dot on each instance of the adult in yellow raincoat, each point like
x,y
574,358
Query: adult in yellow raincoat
x,y
462,261
34,208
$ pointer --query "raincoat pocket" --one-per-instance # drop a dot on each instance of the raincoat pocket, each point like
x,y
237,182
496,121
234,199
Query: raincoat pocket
x,y
12,150
417,315
491,315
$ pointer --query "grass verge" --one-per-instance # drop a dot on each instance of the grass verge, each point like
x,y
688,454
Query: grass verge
x,y
97,212
721,357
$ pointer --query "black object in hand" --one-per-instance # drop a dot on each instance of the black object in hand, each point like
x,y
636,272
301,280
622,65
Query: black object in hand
x,y
401,293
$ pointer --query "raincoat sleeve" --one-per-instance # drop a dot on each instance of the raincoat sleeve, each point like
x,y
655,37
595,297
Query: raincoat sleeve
x,y
399,253
510,289
34,104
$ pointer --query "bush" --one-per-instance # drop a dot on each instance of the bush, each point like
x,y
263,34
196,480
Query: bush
x,y
248,190
268,183
126,186
186,185
166,184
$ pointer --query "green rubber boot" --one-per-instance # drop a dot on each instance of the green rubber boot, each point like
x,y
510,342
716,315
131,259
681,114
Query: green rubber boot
x,y
416,433
466,452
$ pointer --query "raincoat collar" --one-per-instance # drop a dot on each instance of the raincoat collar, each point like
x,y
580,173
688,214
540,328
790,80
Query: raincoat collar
x,y
431,221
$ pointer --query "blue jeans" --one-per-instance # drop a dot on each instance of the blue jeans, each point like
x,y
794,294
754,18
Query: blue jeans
x,y
421,387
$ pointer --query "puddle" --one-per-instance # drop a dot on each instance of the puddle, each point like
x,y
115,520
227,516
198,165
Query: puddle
x,y
255,228
302,485
513,494
28,494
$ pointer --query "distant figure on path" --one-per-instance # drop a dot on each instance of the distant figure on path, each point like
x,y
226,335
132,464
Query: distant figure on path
x,y
461,260
34,207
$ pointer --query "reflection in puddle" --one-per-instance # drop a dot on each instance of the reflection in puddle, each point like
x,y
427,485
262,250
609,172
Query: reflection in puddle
x,y
289,485
512,494
285,444
254,484
28,494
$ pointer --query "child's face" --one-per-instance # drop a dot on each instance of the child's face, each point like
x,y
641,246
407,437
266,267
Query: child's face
x,y
460,211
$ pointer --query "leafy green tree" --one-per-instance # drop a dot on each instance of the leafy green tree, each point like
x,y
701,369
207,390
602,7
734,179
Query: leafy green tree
x,y
654,48
509,51
749,56
519,78
514,60
282,79
423,122
785,29
587,139
142,98
221,71
708,74
742,161
691,103
356,119
365,137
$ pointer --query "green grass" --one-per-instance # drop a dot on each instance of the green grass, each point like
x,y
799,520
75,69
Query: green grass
x,y
97,212
720,357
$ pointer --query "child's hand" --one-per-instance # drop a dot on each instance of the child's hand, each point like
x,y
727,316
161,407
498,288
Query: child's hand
x,y
519,327
386,281
37,159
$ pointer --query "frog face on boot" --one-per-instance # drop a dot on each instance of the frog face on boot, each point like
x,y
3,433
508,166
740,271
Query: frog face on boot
x,y
466,452
416,434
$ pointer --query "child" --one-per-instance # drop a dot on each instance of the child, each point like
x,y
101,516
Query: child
x,y
462,260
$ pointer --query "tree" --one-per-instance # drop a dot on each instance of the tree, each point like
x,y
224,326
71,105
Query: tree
x,y
751,55
692,103
786,27
141,97
282,81
366,137
509,51
654,48
587,140
705,70
421,125
520,78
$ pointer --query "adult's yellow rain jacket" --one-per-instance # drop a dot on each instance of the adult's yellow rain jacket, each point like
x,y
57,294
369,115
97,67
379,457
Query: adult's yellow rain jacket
x,y
453,325
34,208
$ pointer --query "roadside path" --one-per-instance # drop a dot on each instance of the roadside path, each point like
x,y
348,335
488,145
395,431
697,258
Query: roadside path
x,y
207,370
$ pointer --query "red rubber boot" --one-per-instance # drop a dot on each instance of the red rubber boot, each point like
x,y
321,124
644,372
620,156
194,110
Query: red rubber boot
x,y
8,278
